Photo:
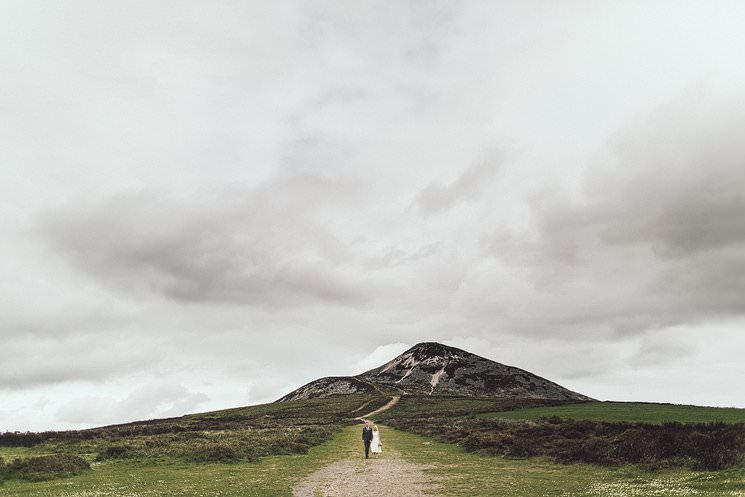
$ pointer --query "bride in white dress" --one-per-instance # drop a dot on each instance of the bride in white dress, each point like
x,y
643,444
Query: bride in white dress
x,y
376,446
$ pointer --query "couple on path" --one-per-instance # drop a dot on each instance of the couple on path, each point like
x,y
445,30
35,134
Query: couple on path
x,y
371,437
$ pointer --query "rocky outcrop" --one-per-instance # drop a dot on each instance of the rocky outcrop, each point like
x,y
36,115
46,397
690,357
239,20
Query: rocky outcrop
x,y
326,387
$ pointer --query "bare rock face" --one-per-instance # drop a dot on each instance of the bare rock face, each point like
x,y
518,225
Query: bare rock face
x,y
431,368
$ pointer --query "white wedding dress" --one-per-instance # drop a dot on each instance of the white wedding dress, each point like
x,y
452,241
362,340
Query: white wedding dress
x,y
375,444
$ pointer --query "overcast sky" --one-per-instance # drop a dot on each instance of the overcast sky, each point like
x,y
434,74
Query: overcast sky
x,y
207,204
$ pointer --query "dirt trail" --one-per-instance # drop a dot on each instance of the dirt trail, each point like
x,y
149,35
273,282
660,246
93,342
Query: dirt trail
x,y
359,477
390,404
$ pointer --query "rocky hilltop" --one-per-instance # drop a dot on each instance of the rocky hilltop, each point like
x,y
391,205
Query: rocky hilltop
x,y
431,368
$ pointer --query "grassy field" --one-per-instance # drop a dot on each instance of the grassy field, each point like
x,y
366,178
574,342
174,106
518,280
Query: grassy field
x,y
208,444
292,440
627,412
453,473
536,409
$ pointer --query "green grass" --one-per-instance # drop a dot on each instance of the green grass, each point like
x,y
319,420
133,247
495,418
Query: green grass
x,y
10,453
627,411
415,406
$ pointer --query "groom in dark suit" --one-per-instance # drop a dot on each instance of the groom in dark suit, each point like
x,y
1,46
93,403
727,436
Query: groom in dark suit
x,y
367,438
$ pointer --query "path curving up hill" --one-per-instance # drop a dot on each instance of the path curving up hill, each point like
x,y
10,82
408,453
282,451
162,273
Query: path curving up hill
x,y
390,404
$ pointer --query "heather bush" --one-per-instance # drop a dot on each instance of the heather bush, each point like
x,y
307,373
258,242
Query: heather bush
x,y
115,452
592,450
215,452
711,446
44,467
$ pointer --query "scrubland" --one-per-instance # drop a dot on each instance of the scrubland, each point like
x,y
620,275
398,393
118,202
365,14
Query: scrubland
x,y
469,446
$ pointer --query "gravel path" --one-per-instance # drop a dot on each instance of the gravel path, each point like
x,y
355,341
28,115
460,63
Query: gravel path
x,y
388,475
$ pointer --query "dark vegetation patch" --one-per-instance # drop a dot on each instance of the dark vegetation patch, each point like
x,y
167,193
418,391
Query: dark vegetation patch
x,y
221,446
217,452
43,467
233,435
710,446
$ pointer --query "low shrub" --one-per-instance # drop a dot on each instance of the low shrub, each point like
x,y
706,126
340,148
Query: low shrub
x,y
711,446
593,450
214,452
45,467
115,452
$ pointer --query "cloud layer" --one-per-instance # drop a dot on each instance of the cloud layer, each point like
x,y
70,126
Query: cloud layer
x,y
206,206
262,247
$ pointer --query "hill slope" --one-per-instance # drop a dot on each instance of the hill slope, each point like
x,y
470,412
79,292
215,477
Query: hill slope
x,y
432,368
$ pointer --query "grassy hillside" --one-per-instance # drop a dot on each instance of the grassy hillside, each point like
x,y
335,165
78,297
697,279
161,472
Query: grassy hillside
x,y
229,436
412,406
627,412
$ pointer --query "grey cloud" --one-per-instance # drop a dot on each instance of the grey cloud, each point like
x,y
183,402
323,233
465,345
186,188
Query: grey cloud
x,y
674,184
466,188
655,236
656,353
35,361
264,389
158,400
61,318
702,286
259,247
